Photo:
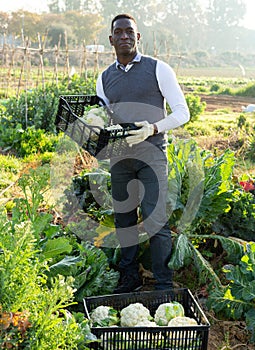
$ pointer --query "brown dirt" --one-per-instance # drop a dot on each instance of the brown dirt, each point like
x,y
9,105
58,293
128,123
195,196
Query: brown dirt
x,y
233,103
228,335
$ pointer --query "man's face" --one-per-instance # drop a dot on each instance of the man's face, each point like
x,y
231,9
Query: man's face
x,y
124,37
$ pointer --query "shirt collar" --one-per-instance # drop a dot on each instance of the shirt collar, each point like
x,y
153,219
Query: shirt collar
x,y
137,58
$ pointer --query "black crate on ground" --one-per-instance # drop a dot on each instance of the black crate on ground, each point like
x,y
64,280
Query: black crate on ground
x,y
100,143
151,338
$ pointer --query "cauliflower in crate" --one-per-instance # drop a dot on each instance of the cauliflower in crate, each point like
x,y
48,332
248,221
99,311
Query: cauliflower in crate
x,y
180,321
146,323
134,314
104,316
189,338
166,311
96,116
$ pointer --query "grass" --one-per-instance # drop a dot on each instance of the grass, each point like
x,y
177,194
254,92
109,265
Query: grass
x,y
218,131
199,79
10,168
224,72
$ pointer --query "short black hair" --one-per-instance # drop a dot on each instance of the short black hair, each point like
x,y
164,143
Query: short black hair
x,y
122,15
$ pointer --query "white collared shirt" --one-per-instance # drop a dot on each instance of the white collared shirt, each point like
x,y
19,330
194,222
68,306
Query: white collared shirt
x,y
126,68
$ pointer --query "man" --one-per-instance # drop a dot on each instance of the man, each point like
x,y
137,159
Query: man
x,y
136,87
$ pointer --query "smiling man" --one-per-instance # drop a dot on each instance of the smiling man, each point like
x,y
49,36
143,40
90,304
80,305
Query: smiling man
x,y
137,87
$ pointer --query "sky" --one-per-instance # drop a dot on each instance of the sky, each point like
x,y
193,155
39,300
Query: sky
x,y
40,5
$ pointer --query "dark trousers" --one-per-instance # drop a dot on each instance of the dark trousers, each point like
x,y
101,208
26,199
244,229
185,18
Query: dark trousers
x,y
140,183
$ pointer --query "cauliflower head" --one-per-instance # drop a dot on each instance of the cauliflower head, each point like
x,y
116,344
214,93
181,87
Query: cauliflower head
x,y
180,321
104,316
134,314
146,323
190,337
96,117
166,311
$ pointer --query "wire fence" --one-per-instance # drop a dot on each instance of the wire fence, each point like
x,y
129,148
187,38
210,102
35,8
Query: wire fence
x,y
26,67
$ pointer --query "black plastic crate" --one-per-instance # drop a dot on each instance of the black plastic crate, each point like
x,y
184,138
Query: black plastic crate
x,y
151,338
100,143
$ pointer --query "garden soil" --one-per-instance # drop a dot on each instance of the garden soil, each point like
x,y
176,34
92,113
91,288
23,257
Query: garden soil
x,y
232,103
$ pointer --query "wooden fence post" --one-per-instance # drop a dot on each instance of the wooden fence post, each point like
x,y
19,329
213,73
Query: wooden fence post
x,y
67,65
26,48
41,52
84,62
56,51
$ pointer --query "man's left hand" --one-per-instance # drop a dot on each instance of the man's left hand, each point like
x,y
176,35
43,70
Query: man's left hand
x,y
146,130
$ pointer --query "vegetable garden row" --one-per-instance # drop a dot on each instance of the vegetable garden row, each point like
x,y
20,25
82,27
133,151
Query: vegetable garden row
x,y
51,259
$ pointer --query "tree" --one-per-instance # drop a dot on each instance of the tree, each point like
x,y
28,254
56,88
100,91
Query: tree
x,y
225,13
25,24
84,6
54,6
73,26
85,26
223,16
178,22
59,31
185,20
73,5
4,22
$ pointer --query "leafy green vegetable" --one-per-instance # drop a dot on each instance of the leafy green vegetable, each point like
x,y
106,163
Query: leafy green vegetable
x,y
239,221
57,246
104,316
25,287
199,185
237,299
90,270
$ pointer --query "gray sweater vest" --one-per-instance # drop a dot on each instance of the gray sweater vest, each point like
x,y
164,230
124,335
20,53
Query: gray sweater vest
x,y
135,95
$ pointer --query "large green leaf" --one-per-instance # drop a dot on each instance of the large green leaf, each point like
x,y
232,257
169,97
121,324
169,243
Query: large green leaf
x,y
234,247
191,208
40,223
238,298
217,186
200,185
237,277
56,246
81,278
66,267
248,292
181,252
250,322
222,301
204,268
249,258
